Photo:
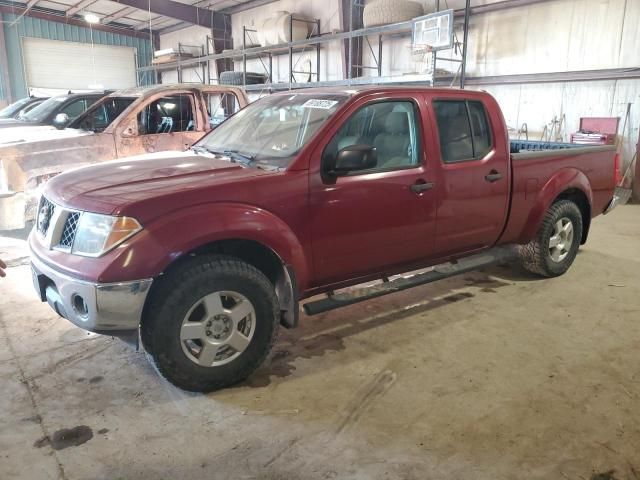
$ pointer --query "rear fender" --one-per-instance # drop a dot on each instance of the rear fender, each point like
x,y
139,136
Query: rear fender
x,y
562,181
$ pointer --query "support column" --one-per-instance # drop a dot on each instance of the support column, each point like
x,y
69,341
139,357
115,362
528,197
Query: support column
x,y
4,67
352,11
636,178
222,40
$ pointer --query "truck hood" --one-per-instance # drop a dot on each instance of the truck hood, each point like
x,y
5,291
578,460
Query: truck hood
x,y
28,134
151,183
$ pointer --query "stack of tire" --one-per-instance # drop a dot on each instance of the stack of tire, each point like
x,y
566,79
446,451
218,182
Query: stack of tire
x,y
237,78
384,12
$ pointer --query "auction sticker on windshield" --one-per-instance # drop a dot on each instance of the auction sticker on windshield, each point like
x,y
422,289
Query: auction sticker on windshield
x,y
317,103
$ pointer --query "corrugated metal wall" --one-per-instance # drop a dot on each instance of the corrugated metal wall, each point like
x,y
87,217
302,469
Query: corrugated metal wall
x,y
39,28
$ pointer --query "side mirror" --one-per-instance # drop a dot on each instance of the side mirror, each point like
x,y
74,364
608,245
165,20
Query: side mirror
x,y
128,132
61,121
354,158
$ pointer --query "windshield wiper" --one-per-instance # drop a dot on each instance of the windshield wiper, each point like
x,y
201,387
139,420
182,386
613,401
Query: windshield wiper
x,y
234,155
201,149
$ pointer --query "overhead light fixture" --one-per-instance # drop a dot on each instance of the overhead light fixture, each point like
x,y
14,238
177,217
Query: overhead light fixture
x,y
92,18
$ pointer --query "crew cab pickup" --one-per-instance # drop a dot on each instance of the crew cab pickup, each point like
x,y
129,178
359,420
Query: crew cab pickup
x,y
127,122
206,253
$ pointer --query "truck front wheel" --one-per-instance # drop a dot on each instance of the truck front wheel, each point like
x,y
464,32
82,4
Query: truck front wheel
x,y
556,244
210,322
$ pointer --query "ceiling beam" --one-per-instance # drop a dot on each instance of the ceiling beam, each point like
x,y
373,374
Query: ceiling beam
x,y
123,12
77,7
150,24
241,7
178,11
20,11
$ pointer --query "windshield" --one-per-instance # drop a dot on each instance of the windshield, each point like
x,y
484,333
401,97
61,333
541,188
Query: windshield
x,y
10,110
102,114
274,129
42,111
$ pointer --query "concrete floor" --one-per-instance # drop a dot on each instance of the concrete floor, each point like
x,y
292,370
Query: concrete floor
x,y
492,375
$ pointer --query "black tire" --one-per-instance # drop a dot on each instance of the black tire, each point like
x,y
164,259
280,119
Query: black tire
x,y
180,289
237,78
536,256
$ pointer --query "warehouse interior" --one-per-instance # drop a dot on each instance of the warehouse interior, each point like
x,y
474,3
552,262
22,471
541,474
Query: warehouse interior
x,y
489,372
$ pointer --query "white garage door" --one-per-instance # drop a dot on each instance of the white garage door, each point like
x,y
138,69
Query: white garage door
x,y
52,64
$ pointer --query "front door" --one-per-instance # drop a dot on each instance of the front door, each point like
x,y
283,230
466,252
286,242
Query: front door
x,y
473,193
164,124
368,221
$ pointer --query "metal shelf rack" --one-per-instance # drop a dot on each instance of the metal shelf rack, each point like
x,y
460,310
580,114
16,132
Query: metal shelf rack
x,y
180,64
401,29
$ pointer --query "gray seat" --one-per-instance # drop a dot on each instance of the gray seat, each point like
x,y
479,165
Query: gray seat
x,y
458,143
392,145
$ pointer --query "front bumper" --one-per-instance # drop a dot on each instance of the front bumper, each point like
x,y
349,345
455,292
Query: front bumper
x,y
110,308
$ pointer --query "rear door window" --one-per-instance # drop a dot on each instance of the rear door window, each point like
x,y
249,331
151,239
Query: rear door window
x,y
464,130
167,115
220,106
481,132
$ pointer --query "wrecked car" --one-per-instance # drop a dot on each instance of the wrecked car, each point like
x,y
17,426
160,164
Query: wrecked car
x,y
58,111
122,124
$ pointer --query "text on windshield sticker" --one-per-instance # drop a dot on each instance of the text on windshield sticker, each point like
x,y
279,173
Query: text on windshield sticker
x,y
316,103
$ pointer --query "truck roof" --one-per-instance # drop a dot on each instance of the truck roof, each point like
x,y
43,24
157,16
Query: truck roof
x,y
364,89
145,91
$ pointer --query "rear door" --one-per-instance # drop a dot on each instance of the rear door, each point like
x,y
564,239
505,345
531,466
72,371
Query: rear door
x,y
473,188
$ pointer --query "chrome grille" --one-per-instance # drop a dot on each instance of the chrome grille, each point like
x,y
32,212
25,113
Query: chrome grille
x,y
45,213
69,231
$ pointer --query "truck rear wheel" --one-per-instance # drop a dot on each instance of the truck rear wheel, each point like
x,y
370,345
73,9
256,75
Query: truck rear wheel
x,y
556,244
210,322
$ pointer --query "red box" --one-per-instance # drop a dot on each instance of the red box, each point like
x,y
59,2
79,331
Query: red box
x,y
597,131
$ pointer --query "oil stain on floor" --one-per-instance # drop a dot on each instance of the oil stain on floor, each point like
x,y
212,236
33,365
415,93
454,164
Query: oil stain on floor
x,y
66,437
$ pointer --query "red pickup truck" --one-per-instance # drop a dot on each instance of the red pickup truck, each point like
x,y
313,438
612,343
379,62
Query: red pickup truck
x,y
206,253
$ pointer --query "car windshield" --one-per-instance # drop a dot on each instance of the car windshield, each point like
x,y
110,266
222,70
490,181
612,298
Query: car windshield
x,y
102,114
274,129
10,110
44,110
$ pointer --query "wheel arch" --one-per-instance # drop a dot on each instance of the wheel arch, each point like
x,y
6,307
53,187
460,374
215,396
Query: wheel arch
x,y
262,257
578,197
566,184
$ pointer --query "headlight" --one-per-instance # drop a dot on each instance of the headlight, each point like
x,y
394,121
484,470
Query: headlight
x,y
97,234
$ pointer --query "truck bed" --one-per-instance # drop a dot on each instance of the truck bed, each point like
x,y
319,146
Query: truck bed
x,y
536,164
519,146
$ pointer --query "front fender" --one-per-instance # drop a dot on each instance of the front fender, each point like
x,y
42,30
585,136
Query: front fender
x,y
168,238
561,181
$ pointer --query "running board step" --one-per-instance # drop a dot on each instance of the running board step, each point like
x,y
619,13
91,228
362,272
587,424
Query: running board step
x,y
439,272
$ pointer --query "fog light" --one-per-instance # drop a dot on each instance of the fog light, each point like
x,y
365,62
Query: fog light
x,y
79,305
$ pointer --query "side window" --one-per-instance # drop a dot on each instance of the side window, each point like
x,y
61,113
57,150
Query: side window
x,y
220,106
75,108
464,130
389,127
167,115
482,141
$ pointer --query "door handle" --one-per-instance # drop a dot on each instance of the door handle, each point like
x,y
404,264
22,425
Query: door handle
x,y
493,176
420,187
